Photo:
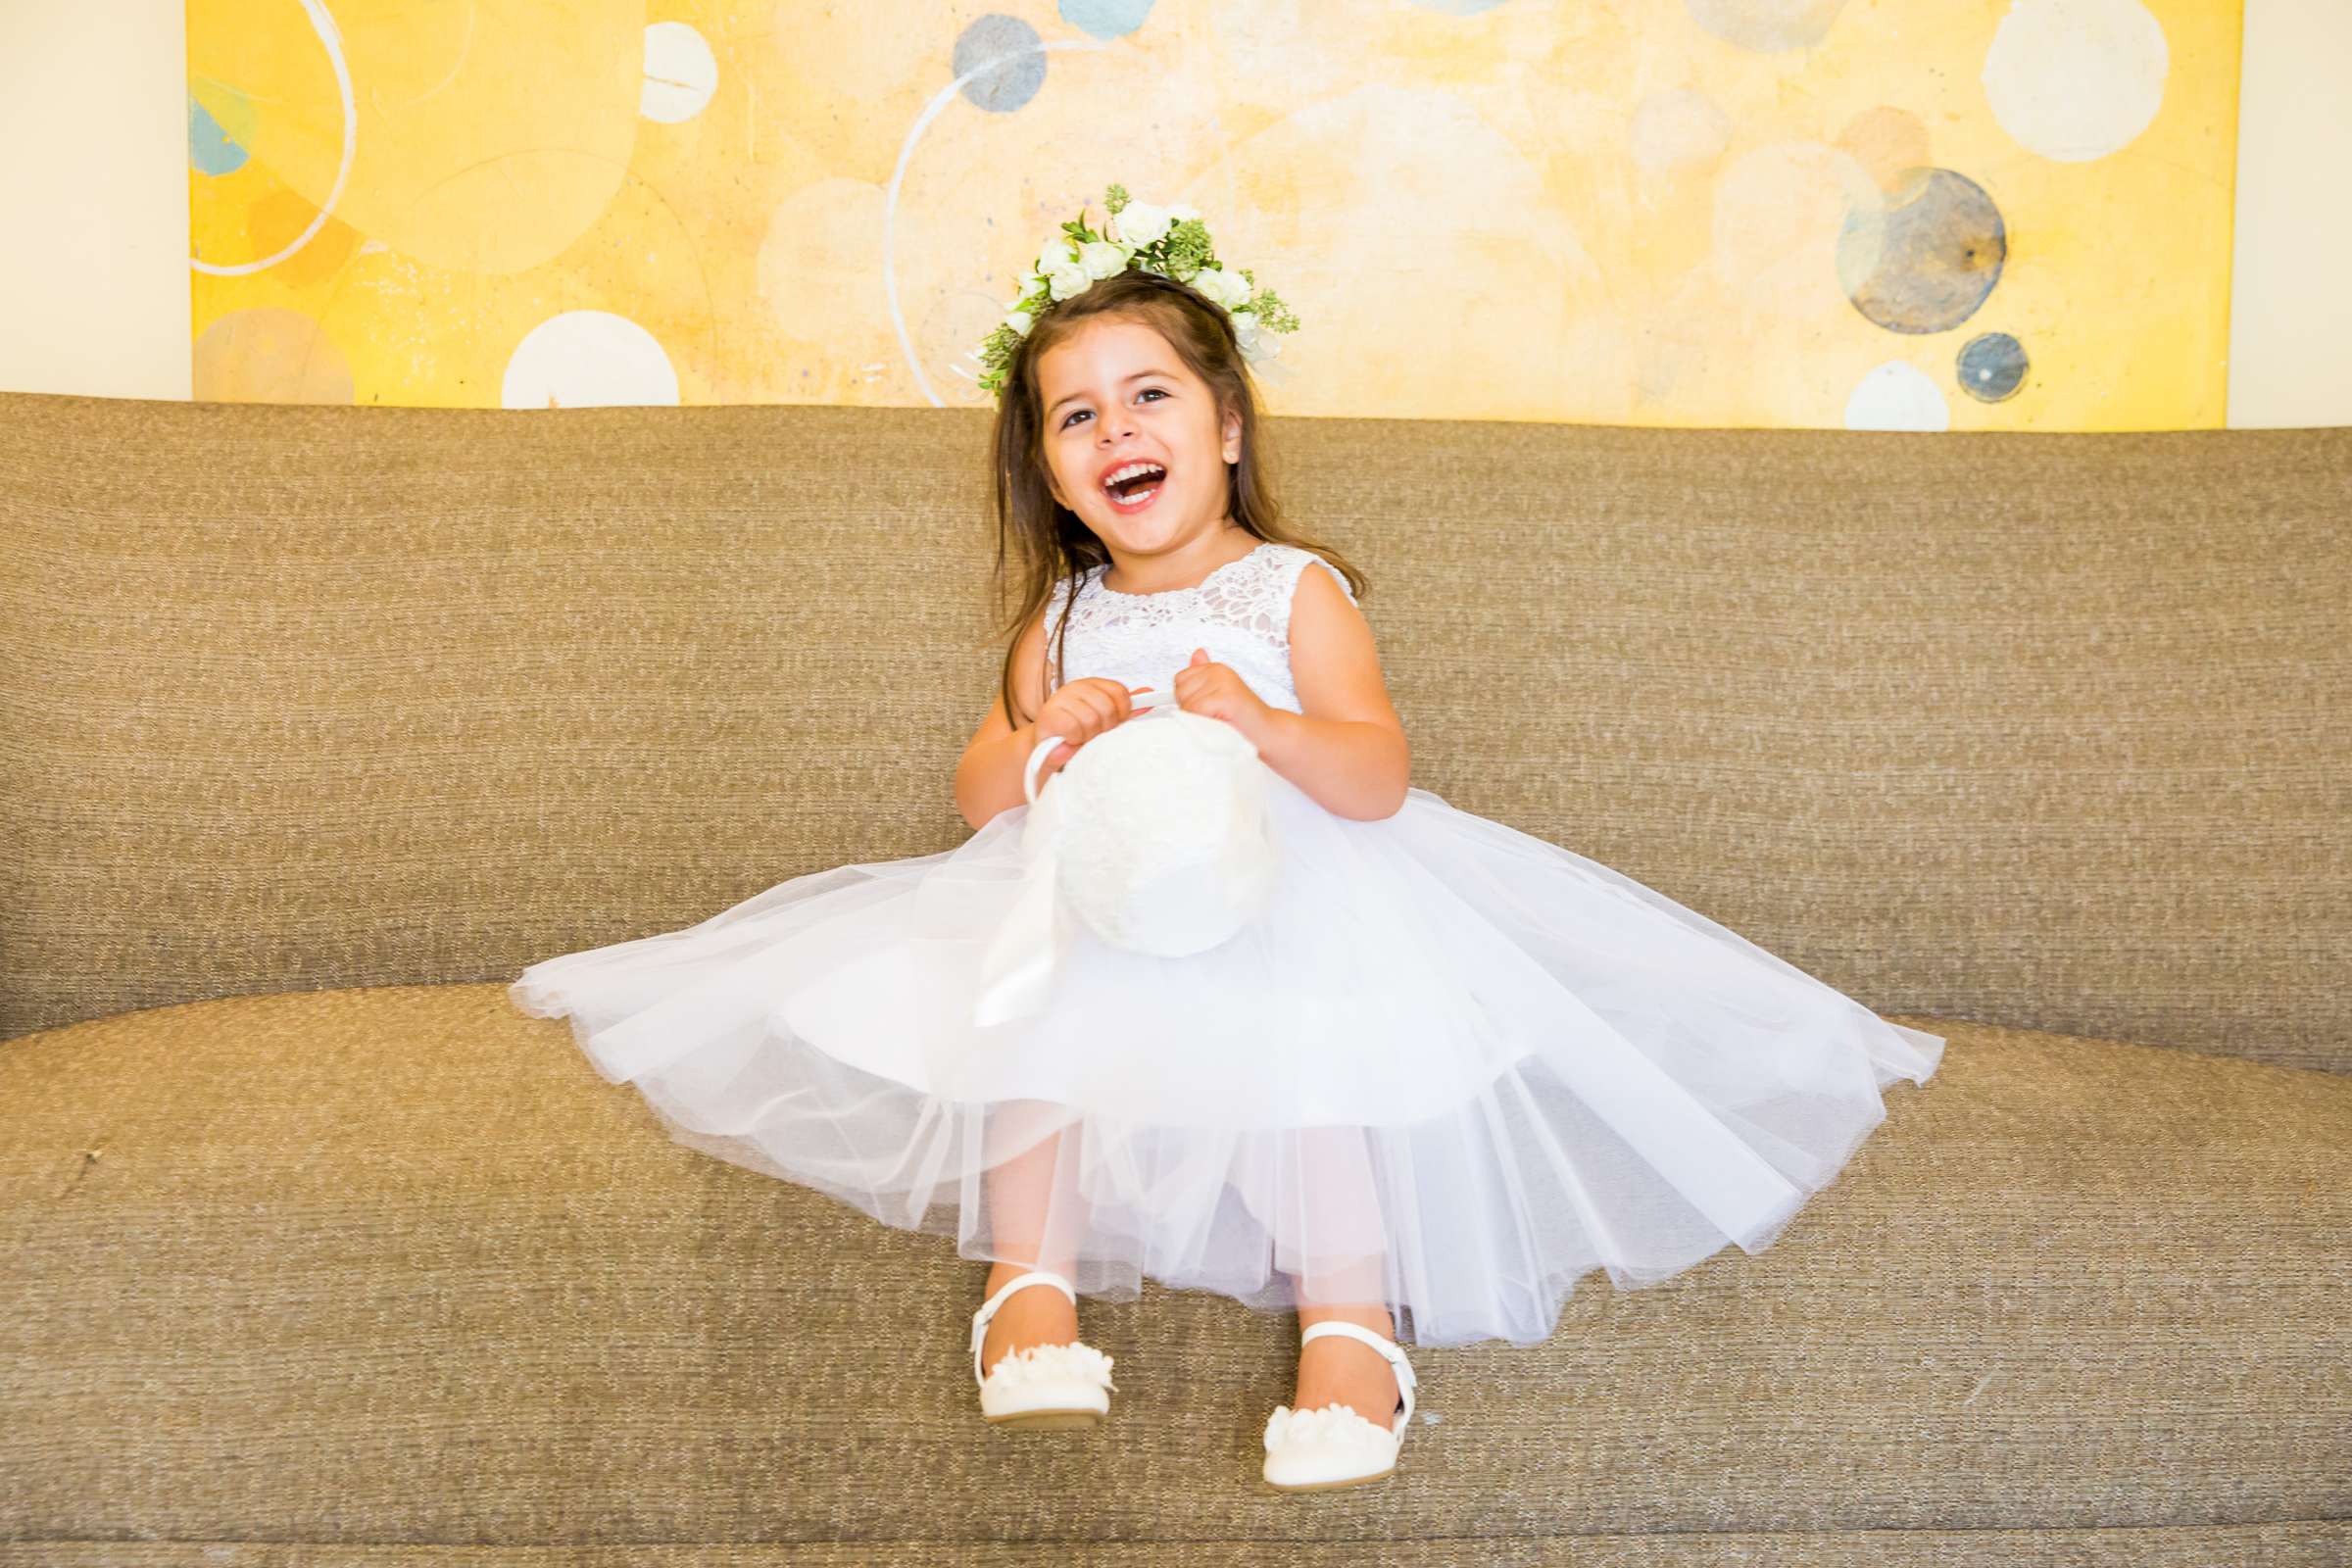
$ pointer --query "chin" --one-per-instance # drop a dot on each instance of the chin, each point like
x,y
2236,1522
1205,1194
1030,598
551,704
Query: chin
x,y
1141,543
1123,533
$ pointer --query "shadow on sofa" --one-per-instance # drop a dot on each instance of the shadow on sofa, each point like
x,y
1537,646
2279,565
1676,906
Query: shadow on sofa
x,y
319,724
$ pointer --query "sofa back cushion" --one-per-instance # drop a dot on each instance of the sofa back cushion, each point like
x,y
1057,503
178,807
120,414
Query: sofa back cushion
x,y
2048,730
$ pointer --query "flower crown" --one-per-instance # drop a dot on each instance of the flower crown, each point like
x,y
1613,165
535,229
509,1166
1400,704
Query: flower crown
x,y
1168,240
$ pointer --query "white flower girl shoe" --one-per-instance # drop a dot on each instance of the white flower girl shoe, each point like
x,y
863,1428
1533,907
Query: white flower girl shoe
x,y
1044,1384
1311,1450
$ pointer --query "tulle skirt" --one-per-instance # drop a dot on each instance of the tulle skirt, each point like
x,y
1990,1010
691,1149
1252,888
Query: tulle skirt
x,y
1450,1068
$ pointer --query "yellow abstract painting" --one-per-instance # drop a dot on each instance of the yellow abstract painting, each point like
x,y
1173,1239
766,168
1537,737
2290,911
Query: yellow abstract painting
x,y
1979,215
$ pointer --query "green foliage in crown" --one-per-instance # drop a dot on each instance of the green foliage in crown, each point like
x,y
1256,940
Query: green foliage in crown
x,y
1171,241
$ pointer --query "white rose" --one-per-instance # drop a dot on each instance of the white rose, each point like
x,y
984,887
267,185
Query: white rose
x,y
1102,259
1065,282
1142,224
1244,325
1019,322
1057,252
1220,286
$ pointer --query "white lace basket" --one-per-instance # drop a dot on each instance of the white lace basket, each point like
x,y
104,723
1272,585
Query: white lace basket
x,y
1158,836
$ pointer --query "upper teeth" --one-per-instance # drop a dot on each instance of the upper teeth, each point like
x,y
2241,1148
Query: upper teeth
x,y
1118,475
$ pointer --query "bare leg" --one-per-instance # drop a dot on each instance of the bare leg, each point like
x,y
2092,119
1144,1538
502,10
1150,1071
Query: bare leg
x,y
1345,1370
1339,1215
1032,1226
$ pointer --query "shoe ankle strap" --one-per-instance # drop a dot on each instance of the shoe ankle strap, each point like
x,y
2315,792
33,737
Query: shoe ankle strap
x,y
987,1309
1387,1347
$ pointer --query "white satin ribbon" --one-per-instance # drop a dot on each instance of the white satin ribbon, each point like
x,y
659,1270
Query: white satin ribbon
x,y
1017,974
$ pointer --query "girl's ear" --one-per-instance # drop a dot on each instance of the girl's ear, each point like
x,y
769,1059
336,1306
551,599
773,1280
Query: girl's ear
x,y
1233,437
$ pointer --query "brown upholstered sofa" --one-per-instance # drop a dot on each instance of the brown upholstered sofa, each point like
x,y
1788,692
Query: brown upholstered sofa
x,y
318,724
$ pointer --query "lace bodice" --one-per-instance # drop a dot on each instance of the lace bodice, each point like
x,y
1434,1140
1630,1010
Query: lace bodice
x,y
1241,612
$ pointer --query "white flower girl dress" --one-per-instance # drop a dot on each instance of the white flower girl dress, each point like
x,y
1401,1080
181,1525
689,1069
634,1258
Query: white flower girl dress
x,y
1449,1066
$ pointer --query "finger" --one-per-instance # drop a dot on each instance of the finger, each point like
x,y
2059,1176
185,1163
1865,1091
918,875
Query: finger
x,y
1098,711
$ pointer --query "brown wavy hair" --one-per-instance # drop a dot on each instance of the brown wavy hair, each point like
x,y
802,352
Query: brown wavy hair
x,y
1039,540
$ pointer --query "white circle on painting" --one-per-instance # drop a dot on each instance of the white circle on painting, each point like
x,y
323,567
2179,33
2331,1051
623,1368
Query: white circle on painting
x,y
1895,396
588,359
2075,79
680,74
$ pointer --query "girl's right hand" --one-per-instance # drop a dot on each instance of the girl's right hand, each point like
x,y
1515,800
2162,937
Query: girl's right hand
x,y
1078,711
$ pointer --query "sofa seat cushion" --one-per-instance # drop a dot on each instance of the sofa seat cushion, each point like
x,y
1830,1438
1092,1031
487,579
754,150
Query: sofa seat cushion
x,y
394,1264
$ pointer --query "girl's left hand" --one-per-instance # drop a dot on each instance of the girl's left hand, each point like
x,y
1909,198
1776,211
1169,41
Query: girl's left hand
x,y
1205,686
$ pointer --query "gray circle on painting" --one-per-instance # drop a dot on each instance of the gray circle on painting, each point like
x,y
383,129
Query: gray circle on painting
x,y
1992,367
1011,84
1766,26
1924,259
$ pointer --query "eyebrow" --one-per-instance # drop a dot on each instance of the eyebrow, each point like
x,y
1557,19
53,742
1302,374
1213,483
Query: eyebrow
x,y
1075,396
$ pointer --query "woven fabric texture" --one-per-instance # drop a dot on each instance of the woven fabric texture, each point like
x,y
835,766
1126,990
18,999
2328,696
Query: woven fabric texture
x,y
392,1266
2047,730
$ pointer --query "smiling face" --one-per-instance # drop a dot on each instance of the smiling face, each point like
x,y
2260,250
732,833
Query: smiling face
x,y
1116,395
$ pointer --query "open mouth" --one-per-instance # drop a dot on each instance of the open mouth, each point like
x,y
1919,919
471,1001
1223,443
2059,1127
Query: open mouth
x,y
1136,490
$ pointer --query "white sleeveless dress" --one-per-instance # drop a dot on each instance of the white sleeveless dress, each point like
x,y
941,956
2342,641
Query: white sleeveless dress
x,y
1451,1069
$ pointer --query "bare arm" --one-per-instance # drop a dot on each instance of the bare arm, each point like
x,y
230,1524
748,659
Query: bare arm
x,y
1347,749
988,777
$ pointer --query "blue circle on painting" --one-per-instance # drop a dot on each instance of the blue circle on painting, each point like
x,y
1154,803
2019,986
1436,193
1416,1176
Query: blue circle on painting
x,y
1105,19
1992,367
1005,87
210,150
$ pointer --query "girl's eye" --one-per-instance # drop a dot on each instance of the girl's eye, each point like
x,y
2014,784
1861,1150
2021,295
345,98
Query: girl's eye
x,y
1162,391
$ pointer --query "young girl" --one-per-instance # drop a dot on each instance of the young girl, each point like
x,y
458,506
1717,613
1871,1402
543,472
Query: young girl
x,y
1450,1070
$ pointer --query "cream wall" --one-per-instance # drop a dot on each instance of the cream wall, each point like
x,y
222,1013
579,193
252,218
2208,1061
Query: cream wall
x,y
94,193
94,279
2290,317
